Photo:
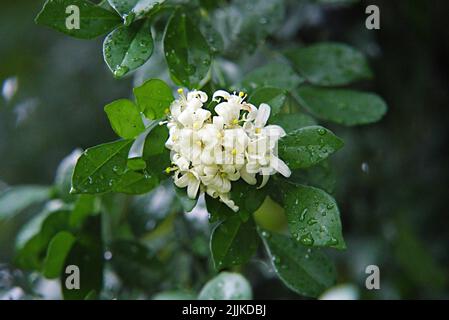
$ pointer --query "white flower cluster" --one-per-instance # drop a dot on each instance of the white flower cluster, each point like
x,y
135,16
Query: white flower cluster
x,y
209,152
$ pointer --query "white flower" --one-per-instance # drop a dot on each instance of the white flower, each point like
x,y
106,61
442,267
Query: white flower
x,y
210,152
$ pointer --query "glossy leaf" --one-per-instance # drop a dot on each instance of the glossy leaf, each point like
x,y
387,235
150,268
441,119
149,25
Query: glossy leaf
x,y
233,242
125,118
64,172
244,24
154,98
343,106
308,146
57,251
276,98
313,217
329,64
226,286
103,168
128,47
131,10
186,51
277,75
94,20
292,121
304,270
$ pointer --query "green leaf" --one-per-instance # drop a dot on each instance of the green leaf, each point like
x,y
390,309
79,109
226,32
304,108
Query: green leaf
x,y
174,295
244,24
154,98
313,217
308,146
304,270
321,176
16,199
34,241
84,207
87,254
226,286
135,264
103,168
277,75
125,118
57,251
131,10
343,106
329,64
276,98
233,242
186,51
63,178
187,204
217,210
127,48
94,20
292,121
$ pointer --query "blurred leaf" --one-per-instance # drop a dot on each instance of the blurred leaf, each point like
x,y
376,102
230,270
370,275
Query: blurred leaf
x,y
304,270
135,264
308,146
233,242
127,48
276,98
31,250
15,199
87,255
226,286
292,121
244,24
343,106
131,10
154,98
63,178
174,295
187,204
57,251
275,74
84,206
94,20
125,119
313,218
187,52
329,64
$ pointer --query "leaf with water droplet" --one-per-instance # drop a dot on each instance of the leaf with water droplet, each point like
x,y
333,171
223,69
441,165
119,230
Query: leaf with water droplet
x,y
233,242
329,64
322,214
226,286
94,20
304,270
122,48
343,106
187,51
306,146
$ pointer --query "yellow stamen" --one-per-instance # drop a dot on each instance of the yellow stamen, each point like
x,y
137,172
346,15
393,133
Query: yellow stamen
x,y
180,90
241,94
234,152
167,111
196,125
258,130
199,143
235,121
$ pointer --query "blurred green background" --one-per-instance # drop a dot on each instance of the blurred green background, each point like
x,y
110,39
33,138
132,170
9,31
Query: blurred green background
x,y
392,177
